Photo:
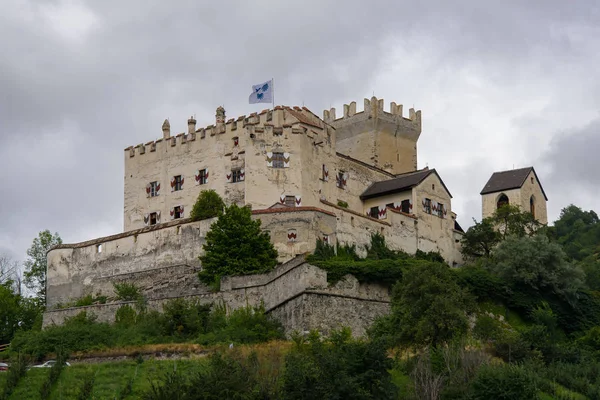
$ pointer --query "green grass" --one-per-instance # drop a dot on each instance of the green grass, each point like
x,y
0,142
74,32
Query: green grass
x,y
110,378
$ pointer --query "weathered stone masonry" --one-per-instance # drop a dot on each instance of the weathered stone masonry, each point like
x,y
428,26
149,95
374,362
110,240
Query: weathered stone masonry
x,y
306,178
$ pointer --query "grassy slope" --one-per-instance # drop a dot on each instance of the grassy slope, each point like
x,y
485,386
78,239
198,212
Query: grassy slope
x,y
110,378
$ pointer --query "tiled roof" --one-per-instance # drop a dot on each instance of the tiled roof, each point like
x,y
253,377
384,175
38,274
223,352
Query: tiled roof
x,y
399,184
511,179
300,116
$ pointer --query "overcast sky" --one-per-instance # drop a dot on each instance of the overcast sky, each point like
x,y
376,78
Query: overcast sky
x,y
500,84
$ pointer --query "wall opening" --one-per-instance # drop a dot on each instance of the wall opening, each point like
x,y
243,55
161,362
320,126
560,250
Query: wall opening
x,y
502,201
532,206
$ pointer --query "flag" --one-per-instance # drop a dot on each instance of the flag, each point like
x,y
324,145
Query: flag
x,y
262,93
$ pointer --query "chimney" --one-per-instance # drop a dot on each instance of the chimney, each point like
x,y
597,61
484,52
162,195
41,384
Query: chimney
x,y
166,128
191,125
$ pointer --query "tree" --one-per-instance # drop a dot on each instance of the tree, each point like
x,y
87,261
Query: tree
x,y
537,263
9,313
36,263
428,306
511,221
235,245
9,273
208,205
480,239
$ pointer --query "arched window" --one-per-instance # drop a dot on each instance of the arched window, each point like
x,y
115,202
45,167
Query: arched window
x,y
502,200
532,206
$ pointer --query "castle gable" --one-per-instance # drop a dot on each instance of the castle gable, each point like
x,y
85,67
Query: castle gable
x,y
508,180
399,184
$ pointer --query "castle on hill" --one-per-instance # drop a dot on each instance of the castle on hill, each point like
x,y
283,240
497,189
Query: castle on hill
x,y
307,178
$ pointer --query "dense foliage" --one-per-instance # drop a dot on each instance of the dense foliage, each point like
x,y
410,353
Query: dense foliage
x,y
316,368
381,265
181,321
208,205
428,307
481,239
235,245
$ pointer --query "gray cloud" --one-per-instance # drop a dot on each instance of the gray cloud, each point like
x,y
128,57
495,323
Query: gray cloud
x,y
81,80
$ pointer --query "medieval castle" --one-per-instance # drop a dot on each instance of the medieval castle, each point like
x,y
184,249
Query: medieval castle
x,y
306,178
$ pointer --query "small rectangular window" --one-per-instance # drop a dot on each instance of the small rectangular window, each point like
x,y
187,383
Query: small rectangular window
x,y
374,212
278,160
440,210
236,175
405,206
153,189
153,218
203,177
340,180
428,206
178,212
290,201
99,248
178,183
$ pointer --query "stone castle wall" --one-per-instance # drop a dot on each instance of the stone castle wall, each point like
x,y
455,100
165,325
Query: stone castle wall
x,y
296,293
163,260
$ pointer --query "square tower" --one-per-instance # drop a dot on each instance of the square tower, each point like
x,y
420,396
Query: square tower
x,y
518,187
386,140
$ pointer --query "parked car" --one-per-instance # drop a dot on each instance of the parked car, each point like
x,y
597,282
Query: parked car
x,y
49,364
3,367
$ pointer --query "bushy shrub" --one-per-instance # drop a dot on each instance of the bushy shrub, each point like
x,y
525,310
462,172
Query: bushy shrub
x,y
125,316
127,291
208,205
487,328
243,325
338,368
504,382
185,317
79,333
227,376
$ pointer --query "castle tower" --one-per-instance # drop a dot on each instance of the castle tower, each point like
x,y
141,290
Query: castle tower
x,y
518,187
380,138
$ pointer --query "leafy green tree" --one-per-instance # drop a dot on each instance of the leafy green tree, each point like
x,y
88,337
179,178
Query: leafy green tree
x,y
36,263
428,307
578,232
9,312
208,205
511,221
480,239
235,245
537,263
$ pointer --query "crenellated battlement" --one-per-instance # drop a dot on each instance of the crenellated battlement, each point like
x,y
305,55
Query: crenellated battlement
x,y
281,120
373,109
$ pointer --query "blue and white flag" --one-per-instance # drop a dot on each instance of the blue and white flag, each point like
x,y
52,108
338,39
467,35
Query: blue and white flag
x,y
262,93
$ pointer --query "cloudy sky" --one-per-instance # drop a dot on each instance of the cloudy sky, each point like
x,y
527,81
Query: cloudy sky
x,y
500,84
